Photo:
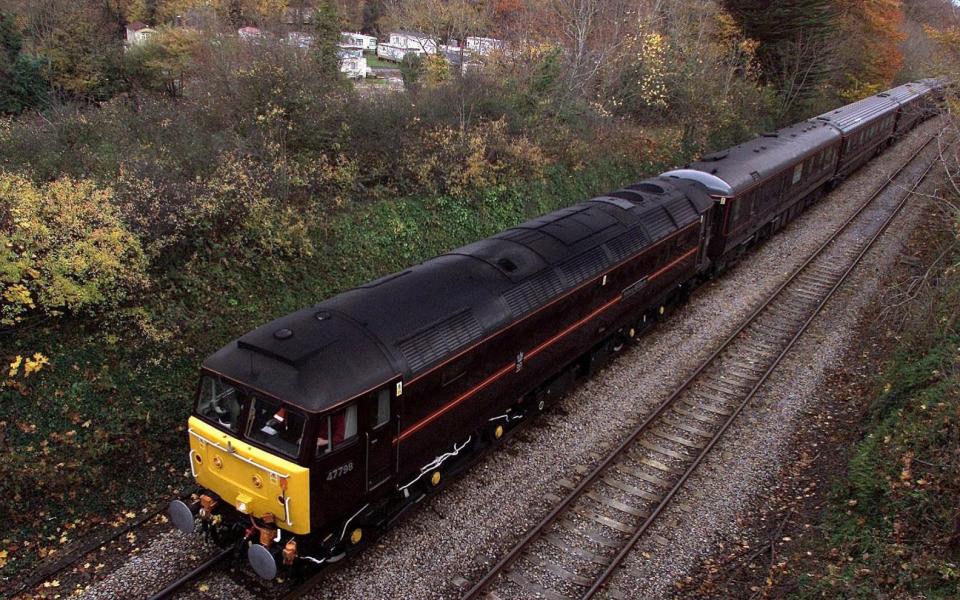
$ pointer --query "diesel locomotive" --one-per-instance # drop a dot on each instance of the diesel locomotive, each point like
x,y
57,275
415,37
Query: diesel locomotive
x,y
324,426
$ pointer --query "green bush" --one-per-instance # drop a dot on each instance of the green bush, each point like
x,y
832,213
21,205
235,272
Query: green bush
x,y
63,248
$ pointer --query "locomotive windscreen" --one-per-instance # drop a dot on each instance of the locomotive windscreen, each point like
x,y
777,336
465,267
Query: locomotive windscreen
x,y
268,422
220,403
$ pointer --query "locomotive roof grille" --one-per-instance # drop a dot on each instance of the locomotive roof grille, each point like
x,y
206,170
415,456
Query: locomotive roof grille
x,y
437,341
628,244
583,267
533,292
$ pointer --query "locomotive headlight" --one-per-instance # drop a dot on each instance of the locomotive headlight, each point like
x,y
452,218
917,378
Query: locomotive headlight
x,y
243,503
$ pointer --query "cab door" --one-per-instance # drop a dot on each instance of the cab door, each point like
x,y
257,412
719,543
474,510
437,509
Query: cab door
x,y
380,410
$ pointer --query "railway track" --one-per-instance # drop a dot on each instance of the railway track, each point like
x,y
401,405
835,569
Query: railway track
x,y
84,547
193,574
577,547
286,590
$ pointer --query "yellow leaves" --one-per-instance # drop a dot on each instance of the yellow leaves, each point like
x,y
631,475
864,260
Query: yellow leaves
x,y
3,558
15,366
436,69
271,8
451,161
35,363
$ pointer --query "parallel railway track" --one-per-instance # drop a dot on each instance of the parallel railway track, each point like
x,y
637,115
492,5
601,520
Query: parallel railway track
x,y
578,546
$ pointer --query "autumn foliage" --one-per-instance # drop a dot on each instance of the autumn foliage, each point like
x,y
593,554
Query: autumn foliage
x,y
63,248
870,53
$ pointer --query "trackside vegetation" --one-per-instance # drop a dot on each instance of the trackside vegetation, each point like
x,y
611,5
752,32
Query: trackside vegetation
x,y
892,527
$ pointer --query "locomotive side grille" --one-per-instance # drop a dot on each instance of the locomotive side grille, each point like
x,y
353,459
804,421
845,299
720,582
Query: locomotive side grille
x,y
584,266
658,222
440,340
533,292
628,244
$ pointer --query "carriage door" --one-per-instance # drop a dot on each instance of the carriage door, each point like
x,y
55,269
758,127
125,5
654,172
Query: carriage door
x,y
381,427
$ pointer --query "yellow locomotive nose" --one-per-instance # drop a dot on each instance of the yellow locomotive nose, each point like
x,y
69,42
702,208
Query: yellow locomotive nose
x,y
253,481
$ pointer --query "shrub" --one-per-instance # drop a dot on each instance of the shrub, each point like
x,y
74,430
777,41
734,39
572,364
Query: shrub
x,y
63,248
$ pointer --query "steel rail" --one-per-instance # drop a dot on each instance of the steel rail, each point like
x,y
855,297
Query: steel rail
x,y
197,571
586,482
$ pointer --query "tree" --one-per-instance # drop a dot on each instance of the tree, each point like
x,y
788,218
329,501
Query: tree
x,y
870,51
411,70
22,84
373,12
63,247
326,33
235,15
796,47
160,63
440,20
351,13
436,69
83,51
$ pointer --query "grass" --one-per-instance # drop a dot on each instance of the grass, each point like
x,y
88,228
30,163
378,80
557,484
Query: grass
x,y
375,62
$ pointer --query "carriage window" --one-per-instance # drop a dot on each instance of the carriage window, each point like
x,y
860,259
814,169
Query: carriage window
x,y
797,174
337,429
735,210
220,403
274,425
381,416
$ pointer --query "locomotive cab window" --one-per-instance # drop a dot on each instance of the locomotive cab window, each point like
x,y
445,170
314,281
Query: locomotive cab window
x,y
276,426
219,403
381,411
337,429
